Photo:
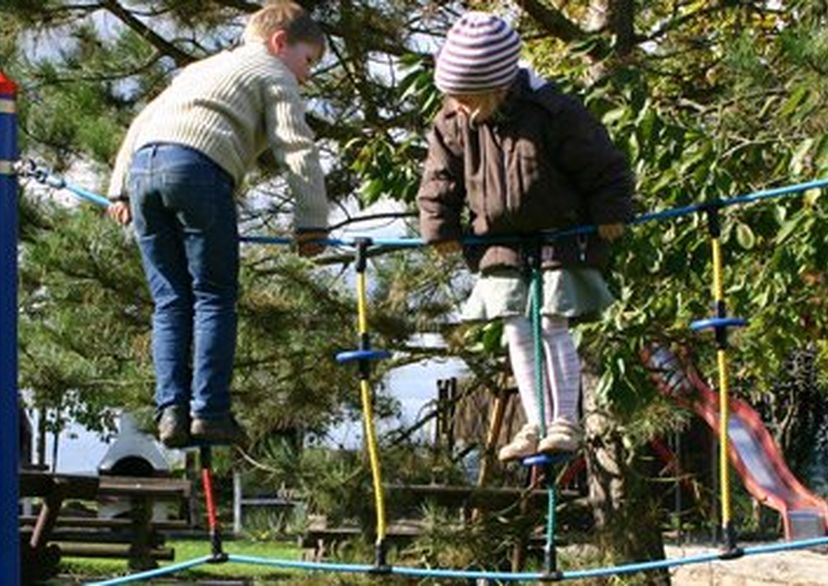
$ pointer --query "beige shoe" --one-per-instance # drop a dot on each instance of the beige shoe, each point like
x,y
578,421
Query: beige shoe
x,y
525,443
562,436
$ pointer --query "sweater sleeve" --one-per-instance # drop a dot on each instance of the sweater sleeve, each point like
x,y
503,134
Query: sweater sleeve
x,y
120,171
293,146
442,192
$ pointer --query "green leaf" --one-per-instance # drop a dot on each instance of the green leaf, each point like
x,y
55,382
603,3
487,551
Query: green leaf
x,y
798,158
614,115
794,100
787,229
745,236
821,157
492,335
780,213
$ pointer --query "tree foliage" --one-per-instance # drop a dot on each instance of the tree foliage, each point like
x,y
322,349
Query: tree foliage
x,y
710,99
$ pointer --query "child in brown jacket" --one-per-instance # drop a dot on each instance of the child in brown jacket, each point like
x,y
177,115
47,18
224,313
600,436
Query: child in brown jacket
x,y
514,156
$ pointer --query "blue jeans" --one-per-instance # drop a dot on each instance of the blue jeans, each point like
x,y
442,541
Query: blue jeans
x,y
185,219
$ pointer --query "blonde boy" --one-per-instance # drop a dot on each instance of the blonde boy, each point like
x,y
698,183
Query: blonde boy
x,y
174,177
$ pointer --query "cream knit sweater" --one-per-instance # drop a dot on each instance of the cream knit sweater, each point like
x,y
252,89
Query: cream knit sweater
x,y
233,106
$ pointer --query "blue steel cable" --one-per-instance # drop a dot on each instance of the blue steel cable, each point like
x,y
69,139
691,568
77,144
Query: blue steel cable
x,y
550,555
48,178
643,218
306,566
59,183
395,570
165,571
688,560
414,572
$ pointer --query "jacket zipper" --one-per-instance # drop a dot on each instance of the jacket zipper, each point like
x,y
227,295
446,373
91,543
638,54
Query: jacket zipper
x,y
502,166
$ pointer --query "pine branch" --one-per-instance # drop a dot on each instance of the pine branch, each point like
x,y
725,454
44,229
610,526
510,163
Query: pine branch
x,y
180,57
680,22
99,77
553,21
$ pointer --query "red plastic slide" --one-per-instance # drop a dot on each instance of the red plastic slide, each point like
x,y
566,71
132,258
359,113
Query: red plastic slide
x,y
753,452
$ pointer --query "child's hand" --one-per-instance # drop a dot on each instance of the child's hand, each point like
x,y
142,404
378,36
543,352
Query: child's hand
x,y
308,242
120,212
447,247
610,231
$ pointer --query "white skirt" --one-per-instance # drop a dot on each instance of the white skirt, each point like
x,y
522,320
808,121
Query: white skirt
x,y
572,293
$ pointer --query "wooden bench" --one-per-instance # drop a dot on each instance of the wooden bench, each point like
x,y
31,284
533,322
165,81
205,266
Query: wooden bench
x,y
405,500
48,536
99,537
318,539
470,497
39,557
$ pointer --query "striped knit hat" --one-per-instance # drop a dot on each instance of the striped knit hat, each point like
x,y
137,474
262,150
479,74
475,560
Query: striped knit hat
x,y
480,54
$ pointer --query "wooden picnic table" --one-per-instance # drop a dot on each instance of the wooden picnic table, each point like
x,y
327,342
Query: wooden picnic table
x,y
138,540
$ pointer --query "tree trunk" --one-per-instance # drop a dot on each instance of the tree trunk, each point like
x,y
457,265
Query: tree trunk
x,y
55,446
626,512
41,437
616,19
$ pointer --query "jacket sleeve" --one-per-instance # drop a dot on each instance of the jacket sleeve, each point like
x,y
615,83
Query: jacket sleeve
x,y
442,191
598,169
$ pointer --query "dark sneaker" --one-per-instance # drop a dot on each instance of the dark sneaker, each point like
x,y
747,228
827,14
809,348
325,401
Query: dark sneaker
x,y
220,430
174,426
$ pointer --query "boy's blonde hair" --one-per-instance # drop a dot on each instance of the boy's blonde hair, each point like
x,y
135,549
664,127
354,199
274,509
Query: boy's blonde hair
x,y
283,15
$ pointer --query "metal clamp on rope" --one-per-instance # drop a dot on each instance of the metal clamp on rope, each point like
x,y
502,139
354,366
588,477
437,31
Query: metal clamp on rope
x,y
714,224
28,168
362,243
25,167
367,354
713,323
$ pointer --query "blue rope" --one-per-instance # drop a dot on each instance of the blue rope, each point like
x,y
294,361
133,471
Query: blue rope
x,y
395,570
696,559
413,572
60,183
302,565
166,570
537,350
57,182
643,218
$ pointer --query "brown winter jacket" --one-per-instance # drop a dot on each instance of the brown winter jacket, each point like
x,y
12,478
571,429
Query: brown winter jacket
x,y
542,162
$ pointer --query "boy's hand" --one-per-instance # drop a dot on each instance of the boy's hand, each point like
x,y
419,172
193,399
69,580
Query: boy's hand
x,y
447,247
120,212
308,242
610,231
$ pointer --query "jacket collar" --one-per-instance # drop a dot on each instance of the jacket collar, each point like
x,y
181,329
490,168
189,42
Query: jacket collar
x,y
520,91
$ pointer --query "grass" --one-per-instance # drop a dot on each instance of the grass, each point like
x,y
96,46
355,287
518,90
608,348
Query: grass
x,y
84,569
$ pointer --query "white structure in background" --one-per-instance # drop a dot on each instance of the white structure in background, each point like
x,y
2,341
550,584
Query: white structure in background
x,y
133,453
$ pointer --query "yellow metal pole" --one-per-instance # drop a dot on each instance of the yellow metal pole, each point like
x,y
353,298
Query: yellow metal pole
x,y
720,325
367,399
724,389
362,304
